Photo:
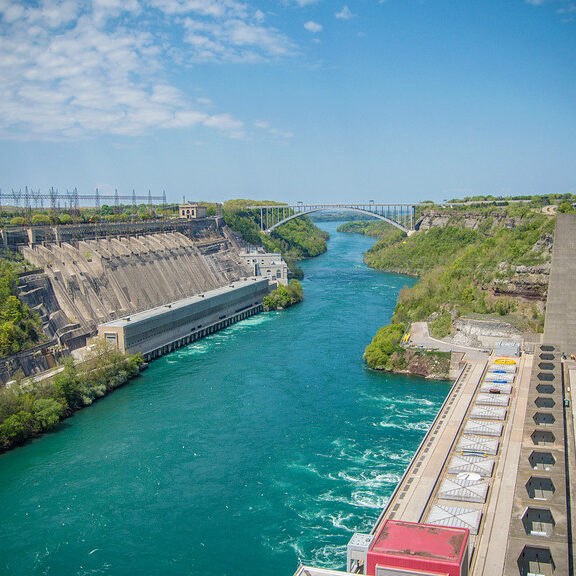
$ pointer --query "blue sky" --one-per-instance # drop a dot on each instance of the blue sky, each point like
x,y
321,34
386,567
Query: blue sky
x,y
290,100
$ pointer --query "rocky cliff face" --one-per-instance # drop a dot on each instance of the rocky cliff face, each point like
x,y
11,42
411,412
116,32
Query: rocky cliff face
x,y
482,333
470,220
526,282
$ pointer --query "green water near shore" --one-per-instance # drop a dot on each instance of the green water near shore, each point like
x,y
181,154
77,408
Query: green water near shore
x,y
265,443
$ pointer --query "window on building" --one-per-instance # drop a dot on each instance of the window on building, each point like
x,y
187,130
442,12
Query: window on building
x,y
111,338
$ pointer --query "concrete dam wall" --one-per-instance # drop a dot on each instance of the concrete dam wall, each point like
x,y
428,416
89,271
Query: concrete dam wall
x,y
99,280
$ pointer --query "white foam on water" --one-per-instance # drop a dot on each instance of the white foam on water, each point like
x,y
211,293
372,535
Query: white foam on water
x,y
421,426
310,469
370,478
330,555
340,521
365,499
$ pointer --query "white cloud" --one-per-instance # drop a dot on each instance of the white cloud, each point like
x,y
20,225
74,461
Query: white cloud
x,y
234,40
273,133
313,27
344,14
208,8
302,3
82,68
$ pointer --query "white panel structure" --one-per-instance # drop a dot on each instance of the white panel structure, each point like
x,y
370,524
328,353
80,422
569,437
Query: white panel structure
x,y
487,399
509,368
468,487
499,377
474,464
483,428
453,517
488,412
477,445
496,388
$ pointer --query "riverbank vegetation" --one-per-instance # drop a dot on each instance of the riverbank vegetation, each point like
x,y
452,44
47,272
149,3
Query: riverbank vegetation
x,y
284,296
376,228
20,328
296,240
29,408
386,353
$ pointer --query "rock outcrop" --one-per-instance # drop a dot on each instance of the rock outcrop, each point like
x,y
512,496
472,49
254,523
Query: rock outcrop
x,y
470,220
528,282
482,333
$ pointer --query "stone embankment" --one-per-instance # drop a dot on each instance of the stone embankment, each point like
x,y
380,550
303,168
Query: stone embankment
x,y
482,333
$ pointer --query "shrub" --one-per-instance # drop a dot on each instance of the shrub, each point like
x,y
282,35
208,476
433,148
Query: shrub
x,y
441,326
386,341
40,220
284,296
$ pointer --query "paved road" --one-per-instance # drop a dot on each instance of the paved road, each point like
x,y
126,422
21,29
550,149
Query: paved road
x,y
420,336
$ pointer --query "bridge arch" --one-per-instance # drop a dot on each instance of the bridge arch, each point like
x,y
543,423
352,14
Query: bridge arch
x,y
351,209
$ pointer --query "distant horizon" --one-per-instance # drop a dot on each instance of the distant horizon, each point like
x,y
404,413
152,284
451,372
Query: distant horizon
x,y
472,200
390,100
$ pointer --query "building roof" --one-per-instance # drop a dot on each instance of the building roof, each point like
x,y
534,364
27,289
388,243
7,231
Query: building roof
x,y
179,304
421,540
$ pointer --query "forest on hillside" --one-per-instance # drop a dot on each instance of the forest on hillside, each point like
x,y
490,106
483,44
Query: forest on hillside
x,y
19,327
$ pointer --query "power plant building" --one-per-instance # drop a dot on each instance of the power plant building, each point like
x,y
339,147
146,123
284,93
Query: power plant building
x,y
191,211
268,264
163,329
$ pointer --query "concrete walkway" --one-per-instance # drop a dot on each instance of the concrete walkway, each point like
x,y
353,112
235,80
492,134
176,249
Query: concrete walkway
x,y
420,337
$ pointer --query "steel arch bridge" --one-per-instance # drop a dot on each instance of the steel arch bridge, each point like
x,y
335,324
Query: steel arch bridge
x,y
401,216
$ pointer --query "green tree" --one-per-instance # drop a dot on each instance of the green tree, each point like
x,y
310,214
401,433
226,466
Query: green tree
x,y
47,413
386,341
566,208
67,385
16,428
40,220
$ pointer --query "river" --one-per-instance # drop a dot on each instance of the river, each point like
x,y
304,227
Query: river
x,y
262,444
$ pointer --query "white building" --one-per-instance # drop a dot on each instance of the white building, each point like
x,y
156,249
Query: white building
x,y
269,265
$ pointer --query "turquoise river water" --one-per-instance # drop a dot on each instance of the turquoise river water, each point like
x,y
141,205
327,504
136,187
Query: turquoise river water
x,y
263,444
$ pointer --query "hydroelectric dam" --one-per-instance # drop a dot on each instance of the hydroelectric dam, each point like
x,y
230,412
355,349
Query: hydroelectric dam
x,y
495,461
176,280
